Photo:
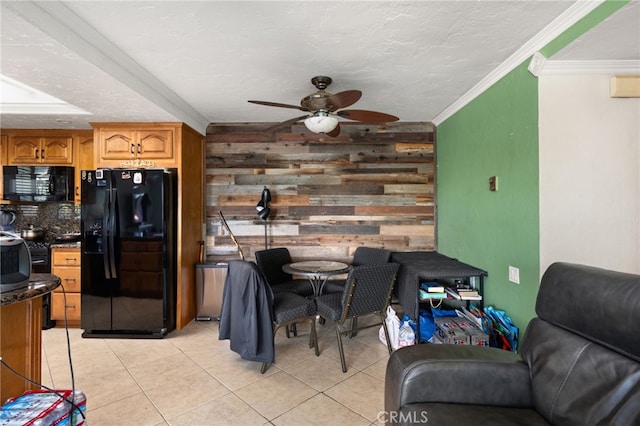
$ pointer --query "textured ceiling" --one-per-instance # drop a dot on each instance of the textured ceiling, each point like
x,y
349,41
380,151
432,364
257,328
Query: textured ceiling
x,y
200,62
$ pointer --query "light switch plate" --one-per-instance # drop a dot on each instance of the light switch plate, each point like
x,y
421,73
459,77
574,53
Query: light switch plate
x,y
493,183
514,274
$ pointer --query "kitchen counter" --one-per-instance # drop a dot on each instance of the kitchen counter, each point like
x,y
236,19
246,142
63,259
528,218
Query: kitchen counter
x,y
39,284
21,334
75,244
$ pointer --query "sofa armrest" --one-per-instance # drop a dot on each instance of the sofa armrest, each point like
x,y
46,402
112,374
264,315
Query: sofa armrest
x,y
456,374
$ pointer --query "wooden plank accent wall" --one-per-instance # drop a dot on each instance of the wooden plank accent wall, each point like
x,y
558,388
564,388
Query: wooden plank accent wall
x,y
370,186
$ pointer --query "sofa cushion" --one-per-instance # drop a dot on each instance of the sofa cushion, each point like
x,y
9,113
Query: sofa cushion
x,y
463,374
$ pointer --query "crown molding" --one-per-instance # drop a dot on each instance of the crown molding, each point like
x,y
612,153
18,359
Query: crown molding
x,y
590,67
569,17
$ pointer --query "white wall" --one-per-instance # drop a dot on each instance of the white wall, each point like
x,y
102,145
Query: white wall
x,y
589,174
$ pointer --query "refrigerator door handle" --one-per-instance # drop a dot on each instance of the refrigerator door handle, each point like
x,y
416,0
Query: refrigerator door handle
x,y
105,234
112,228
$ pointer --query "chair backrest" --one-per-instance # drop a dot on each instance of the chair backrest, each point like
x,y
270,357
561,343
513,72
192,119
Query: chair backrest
x,y
370,256
587,329
585,299
368,289
270,262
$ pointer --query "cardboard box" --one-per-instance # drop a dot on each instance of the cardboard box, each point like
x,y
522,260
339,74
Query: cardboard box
x,y
460,331
449,331
477,337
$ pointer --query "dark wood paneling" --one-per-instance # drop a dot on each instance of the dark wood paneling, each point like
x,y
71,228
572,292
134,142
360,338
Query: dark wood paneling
x,y
371,186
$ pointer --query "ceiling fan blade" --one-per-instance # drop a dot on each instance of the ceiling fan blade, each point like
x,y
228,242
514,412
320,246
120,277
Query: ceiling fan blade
x,y
286,123
276,104
343,99
335,132
367,116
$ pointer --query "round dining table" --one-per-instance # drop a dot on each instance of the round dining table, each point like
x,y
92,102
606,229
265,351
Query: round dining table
x,y
317,271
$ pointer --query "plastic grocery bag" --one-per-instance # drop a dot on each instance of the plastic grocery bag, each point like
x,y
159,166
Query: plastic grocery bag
x,y
393,326
406,335
506,332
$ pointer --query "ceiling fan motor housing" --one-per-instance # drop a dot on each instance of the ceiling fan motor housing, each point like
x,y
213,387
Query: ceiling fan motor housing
x,y
317,102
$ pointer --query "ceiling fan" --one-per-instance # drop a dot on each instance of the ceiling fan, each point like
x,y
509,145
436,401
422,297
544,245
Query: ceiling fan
x,y
325,108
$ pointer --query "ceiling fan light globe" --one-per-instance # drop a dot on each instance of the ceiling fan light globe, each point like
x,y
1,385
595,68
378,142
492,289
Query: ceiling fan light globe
x,y
321,123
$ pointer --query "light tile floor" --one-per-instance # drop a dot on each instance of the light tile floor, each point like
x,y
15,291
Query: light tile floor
x,y
192,378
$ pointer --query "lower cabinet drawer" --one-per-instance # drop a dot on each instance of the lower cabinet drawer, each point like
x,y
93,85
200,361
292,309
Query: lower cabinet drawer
x,y
72,306
69,277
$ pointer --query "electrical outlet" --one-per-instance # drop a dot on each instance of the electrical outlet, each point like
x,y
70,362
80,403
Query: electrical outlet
x,y
514,274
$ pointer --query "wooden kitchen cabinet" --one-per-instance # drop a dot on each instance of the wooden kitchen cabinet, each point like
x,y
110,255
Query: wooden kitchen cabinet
x,y
117,142
83,145
40,150
65,263
59,148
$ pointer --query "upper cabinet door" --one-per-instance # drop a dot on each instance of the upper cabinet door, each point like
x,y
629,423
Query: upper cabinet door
x,y
56,150
40,150
117,144
23,150
145,145
156,143
84,159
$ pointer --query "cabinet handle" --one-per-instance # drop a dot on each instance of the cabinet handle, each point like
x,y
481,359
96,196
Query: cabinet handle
x,y
37,153
42,154
70,306
70,279
132,151
70,259
139,149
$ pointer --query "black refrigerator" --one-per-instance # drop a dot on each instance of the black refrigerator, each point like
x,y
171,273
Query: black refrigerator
x,y
129,270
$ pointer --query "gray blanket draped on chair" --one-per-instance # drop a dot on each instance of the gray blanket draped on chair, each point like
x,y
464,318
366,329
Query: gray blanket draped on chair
x,y
246,318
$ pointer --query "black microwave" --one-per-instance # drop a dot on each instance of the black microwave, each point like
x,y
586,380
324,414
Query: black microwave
x,y
38,183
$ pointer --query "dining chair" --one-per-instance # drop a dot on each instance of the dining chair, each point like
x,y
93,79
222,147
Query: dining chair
x,y
362,256
270,262
252,313
370,256
368,291
290,309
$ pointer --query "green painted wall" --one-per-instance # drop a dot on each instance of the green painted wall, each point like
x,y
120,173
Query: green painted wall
x,y
494,135
497,135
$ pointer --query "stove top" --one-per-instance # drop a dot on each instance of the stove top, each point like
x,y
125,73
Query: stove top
x,y
37,244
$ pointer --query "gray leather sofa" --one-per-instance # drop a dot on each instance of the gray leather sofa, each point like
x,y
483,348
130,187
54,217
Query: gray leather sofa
x,y
578,363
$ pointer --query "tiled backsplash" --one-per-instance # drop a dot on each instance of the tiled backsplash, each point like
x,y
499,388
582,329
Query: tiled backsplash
x,y
54,218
